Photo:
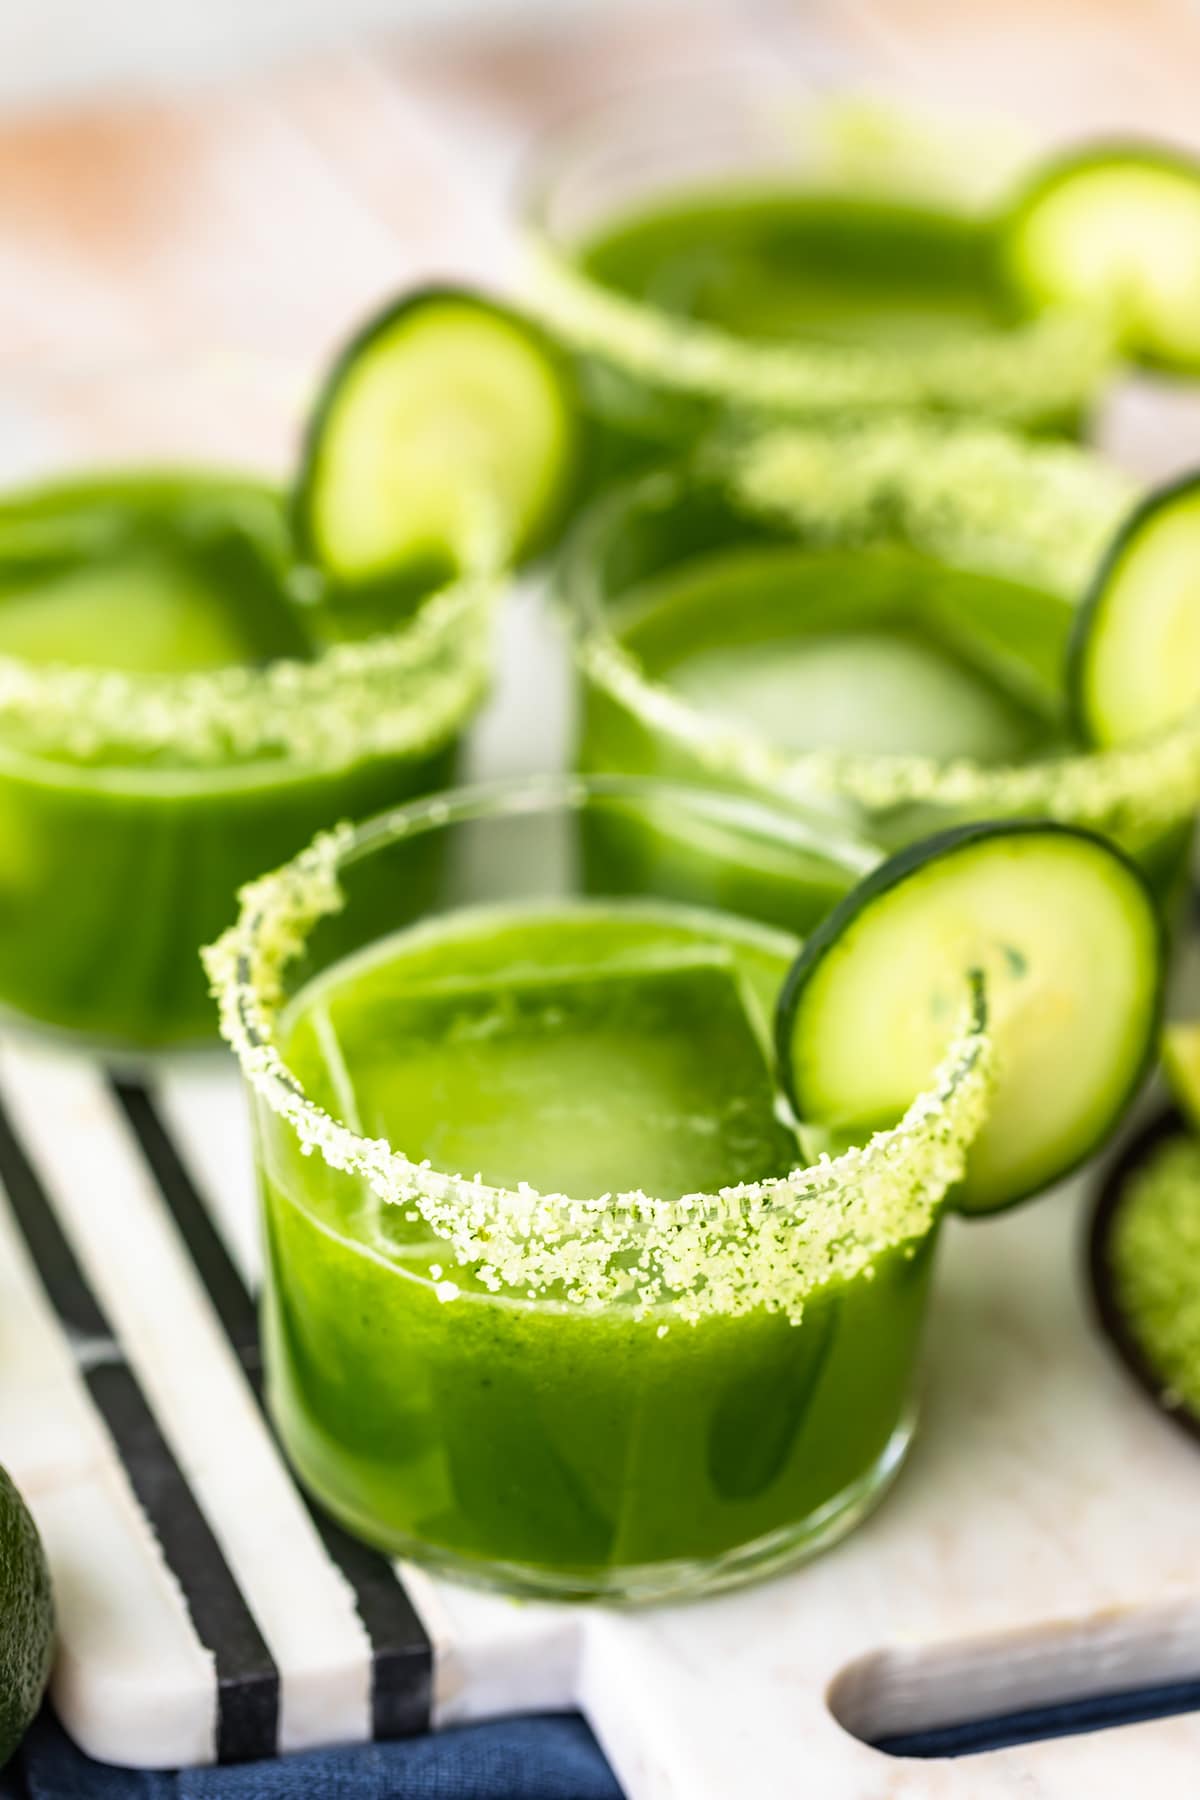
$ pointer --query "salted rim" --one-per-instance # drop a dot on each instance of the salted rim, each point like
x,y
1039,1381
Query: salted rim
x,y
968,494
1047,365
394,693
758,1244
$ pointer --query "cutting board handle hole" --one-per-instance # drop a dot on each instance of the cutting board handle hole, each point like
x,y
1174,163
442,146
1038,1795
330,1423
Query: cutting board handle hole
x,y
1059,1679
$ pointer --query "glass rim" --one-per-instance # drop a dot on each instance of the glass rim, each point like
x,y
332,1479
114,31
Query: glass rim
x,y
1051,361
776,477
784,1236
834,119
329,710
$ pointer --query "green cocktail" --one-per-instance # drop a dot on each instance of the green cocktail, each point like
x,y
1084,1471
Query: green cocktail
x,y
873,618
587,1052
553,1302
198,670
833,269
172,717
714,252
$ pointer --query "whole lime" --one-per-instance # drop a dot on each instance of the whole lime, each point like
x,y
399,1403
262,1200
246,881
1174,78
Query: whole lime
x,y
26,1619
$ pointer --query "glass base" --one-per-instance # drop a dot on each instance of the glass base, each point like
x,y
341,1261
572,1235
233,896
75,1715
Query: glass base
x,y
656,1583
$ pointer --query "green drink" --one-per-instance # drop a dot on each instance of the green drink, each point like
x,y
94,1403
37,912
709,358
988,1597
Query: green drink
x,y
586,1052
880,620
170,717
864,651
750,255
831,269
588,1407
563,1292
198,670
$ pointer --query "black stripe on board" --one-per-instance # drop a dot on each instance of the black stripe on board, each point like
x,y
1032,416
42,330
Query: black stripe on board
x,y
401,1652
231,1298
247,1679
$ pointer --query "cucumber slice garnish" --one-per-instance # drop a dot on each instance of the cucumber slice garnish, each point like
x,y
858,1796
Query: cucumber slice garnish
x,y
1068,939
1181,1061
445,437
1116,228
1134,661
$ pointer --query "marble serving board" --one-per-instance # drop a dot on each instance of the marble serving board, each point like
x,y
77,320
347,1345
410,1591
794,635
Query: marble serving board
x,y
1040,1546
1042,1542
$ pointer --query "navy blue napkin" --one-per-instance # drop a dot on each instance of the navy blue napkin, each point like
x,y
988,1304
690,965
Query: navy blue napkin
x,y
554,1757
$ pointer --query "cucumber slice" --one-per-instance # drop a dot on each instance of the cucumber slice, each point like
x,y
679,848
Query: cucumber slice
x,y
445,437
1133,666
1066,933
1116,228
1181,1060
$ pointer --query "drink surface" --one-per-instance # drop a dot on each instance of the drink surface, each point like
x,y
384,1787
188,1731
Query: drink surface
x,y
601,1050
588,1049
134,607
873,649
149,580
777,265
148,613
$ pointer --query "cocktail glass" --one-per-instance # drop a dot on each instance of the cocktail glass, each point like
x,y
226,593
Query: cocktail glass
x,y
873,618
173,714
741,249
551,1302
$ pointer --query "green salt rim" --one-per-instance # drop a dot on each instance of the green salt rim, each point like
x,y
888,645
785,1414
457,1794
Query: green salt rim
x,y
767,1244
1050,367
1154,1258
970,495
396,693
400,691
